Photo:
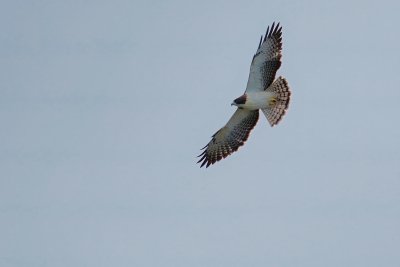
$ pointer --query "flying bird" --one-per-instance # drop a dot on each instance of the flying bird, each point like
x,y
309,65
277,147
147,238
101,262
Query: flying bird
x,y
263,92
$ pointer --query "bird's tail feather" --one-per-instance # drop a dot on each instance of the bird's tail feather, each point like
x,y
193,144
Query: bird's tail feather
x,y
279,103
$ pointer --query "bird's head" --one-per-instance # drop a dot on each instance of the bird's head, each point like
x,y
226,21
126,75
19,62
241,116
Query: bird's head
x,y
240,101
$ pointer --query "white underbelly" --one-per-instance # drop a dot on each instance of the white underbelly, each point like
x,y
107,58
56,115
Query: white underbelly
x,y
258,100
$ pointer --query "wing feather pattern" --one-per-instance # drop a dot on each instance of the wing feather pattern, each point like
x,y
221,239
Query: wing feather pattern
x,y
230,137
266,61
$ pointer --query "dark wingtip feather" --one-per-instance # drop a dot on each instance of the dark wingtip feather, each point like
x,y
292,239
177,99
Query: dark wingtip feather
x,y
275,29
204,162
204,152
272,29
201,159
266,34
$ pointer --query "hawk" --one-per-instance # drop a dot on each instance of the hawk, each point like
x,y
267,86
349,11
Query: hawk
x,y
263,92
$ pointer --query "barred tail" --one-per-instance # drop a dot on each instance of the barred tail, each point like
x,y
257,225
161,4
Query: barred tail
x,y
279,103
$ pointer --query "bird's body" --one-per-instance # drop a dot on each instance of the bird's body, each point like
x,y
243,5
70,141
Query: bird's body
x,y
257,100
263,92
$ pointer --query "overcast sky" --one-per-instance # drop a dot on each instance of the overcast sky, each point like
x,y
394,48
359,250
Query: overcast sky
x,y
104,106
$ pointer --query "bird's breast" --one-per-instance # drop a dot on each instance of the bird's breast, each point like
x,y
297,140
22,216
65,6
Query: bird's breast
x,y
257,100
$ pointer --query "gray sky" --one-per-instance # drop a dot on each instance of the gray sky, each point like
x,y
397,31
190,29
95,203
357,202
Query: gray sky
x,y
104,106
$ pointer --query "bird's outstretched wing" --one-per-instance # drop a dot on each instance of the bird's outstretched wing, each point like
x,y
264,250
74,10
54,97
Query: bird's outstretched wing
x,y
230,137
266,61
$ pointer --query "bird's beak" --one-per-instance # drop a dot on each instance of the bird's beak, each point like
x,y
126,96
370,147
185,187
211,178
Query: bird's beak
x,y
232,104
